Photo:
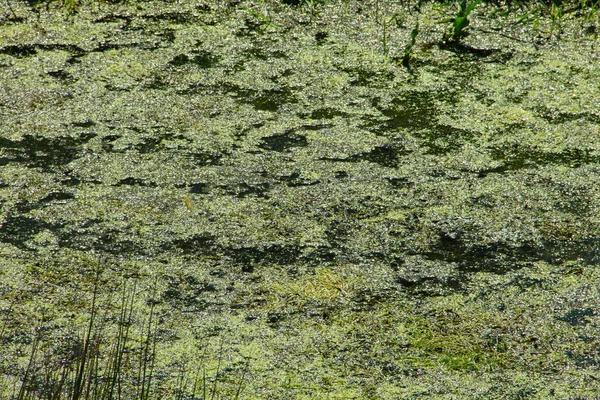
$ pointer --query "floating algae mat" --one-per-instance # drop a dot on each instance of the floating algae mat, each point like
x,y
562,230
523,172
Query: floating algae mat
x,y
258,200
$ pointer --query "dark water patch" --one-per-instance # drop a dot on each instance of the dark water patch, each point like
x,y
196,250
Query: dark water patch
x,y
92,236
321,37
588,360
151,144
499,257
62,76
482,173
178,17
108,147
578,316
157,83
414,110
517,157
244,131
113,88
73,180
203,159
465,49
24,207
250,257
125,20
262,100
556,252
85,124
386,156
112,243
17,230
200,188
366,77
315,127
107,46
559,117
327,113
199,244
203,58
57,196
27,50
242,190
400,182
42,152
443,139
270,100
131,181
168,35
74,59
19,51
296,180
253,24
365,299
187,290
284,142
375,125
319,255
265,55
525,282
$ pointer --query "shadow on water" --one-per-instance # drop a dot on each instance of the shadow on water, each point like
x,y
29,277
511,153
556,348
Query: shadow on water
x,y
284,142
562,117
261,100
296,180
516,157
386,156
40,152
27,50
246,257
500,257
243,189
17,230
415,112
201,58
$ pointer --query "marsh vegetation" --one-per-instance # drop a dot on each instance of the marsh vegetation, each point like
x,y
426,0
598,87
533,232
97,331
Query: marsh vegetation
x,y
299,199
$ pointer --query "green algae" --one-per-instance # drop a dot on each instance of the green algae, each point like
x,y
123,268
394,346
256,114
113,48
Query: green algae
x,y
304,218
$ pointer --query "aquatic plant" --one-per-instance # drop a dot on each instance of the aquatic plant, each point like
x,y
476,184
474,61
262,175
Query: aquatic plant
x,y
461,20
407,50
384,35
264,19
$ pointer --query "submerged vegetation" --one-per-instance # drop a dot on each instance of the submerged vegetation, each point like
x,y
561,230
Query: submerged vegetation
x,y
286,199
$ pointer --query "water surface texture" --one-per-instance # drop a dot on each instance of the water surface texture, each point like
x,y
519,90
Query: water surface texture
x,y
281,191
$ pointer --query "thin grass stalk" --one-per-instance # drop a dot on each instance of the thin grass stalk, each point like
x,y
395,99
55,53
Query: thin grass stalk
x,y
241,384
34,347
144,355
214,388
152,364
78,387
197,377
9,312
180,381
125,319
94,370
114,356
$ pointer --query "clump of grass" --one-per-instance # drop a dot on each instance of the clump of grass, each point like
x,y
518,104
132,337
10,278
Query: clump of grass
x,y
108,349
461,20
406,57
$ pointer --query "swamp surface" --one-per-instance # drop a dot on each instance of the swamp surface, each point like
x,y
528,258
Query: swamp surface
x,y
247,199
